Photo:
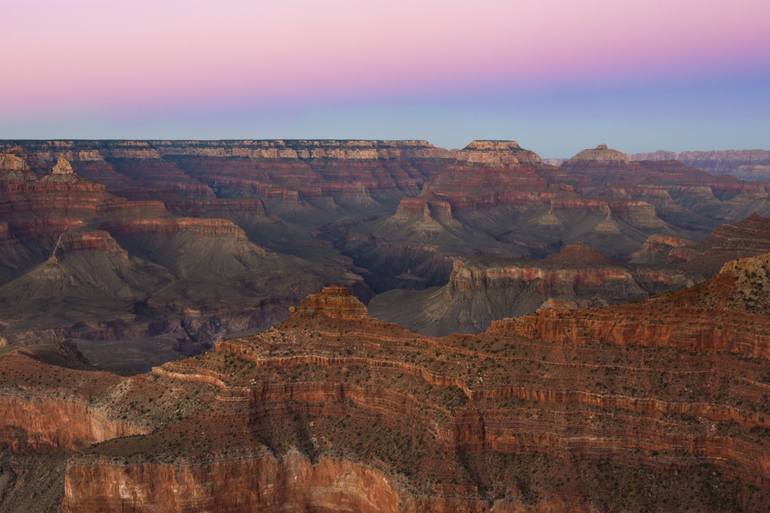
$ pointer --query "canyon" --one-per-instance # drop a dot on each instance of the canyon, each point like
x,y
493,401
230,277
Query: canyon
x,y
171,245
333,410
379,326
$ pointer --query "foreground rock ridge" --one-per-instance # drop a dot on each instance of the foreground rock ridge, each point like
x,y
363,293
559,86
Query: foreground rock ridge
x,y
333,410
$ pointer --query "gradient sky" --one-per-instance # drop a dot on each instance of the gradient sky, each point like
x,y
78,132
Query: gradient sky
x,y
557,75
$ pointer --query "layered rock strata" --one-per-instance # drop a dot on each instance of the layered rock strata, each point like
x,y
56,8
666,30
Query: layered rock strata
x,y
334,411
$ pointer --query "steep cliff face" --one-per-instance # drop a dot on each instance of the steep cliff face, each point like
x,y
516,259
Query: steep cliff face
x,y
476,294
44,208
725,313
335,411
50,409
749,237
291,483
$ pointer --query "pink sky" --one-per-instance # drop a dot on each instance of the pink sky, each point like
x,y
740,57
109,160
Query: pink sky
x,y
70,54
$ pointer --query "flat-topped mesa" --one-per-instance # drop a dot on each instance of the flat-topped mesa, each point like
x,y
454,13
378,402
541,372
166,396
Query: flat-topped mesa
x,y
85,240
425,208
752,283
599,154
61,172
332,302
205,227
497,153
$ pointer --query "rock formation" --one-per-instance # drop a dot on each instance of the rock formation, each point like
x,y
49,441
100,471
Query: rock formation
x,y
335,411
478,293
497,153
664,249
599,154
222,236
333,302
10,162
729,312
748,237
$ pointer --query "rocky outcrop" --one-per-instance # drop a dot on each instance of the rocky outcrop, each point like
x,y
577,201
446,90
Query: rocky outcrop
x,y
599,154
344,412
12,163
640,214
333,302
425,213
749,237
62,168
746,238
664,249
289,483
49,423
13,167
726,313
477,293
167,226
497,153
45,410
577,255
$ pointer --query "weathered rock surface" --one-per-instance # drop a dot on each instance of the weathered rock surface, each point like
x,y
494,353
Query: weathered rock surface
x,y
195,239
599,154
478,293
497,153
335,411
726,313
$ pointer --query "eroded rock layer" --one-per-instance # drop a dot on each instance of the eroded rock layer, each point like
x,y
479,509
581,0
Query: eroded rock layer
x,y
335,411
479,292
170,245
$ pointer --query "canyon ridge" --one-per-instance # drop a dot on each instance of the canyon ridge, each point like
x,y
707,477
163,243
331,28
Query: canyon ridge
x,y
381,326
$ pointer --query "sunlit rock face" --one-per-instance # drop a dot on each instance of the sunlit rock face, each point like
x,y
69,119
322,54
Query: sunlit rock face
x,y
335,411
